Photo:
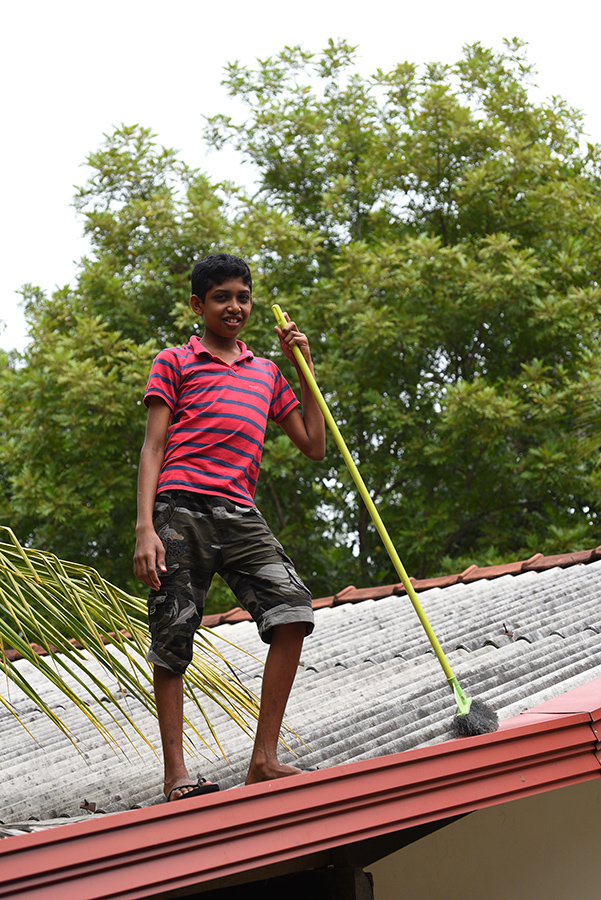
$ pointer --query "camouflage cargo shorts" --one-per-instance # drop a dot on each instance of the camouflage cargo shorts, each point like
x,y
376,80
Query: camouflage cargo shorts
x,y
203,534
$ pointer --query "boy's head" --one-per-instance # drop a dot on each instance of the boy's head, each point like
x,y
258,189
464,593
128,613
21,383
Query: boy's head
x,y
216,269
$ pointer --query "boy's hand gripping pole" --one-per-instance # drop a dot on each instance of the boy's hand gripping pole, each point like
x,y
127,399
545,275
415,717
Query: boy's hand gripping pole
x,y
463,703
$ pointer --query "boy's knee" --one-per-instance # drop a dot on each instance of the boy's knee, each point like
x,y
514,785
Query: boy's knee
x,y
163,674
287,631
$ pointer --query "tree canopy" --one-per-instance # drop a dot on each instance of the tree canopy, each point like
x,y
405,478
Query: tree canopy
x,y
433,229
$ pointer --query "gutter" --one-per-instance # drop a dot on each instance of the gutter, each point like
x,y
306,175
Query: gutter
x,y
224,838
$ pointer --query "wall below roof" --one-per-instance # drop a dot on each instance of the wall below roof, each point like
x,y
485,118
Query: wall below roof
x,y
544,847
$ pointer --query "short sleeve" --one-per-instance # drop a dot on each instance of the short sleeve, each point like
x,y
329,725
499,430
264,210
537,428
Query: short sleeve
x,y
284,399
164,378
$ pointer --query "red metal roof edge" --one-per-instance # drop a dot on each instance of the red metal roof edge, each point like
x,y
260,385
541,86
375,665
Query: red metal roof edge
x,y
205,840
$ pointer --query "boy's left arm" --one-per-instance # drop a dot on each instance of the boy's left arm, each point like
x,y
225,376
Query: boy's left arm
x,y
307,429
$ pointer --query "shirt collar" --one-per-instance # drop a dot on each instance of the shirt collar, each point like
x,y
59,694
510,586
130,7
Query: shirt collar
x,y
200,349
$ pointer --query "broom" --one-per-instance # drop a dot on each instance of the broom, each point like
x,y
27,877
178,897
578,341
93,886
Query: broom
x,y
473,716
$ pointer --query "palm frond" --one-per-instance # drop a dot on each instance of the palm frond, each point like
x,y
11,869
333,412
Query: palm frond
x,y
73,614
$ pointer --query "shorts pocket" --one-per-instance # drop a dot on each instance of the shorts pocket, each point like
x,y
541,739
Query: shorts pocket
x,y
161,612
164,508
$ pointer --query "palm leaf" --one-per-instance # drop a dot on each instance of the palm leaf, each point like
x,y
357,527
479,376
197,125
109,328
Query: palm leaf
x,y
74,615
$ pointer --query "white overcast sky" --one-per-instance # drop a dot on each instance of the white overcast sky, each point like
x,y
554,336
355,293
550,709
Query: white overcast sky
x,y
71,71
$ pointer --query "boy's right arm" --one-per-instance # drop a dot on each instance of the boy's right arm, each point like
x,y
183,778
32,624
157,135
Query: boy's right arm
x,y
150,553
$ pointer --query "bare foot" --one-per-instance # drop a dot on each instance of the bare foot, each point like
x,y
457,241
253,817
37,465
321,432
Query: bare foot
x,y
269,770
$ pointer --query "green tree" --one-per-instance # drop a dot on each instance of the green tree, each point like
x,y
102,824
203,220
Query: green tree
x,y
72,420
148,218
72,426
454,296
72,414
433,230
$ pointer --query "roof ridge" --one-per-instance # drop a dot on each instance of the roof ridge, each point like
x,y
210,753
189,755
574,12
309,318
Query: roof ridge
x,y
351,594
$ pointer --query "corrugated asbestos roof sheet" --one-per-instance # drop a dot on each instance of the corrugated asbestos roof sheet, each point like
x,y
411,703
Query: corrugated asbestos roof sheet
x,y
368,686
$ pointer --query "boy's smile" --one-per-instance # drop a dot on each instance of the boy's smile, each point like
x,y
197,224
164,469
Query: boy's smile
x,y
225,309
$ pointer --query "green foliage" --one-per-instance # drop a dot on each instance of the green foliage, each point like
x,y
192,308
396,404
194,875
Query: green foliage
x,y
75,616
72,420
148,217
437,235
72,426
453,305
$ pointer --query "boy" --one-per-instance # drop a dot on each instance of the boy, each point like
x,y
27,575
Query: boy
x,y
208,404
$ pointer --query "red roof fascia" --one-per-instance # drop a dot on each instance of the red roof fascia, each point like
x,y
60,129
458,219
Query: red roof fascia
x,y
205,840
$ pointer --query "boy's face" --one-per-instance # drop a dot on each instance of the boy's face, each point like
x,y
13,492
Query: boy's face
x,y
225,308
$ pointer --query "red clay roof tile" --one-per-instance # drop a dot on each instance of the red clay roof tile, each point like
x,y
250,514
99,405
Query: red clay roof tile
x,y
475,573
350,594
562,560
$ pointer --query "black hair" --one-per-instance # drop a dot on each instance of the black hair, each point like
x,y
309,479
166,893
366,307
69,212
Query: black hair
x,y
217,268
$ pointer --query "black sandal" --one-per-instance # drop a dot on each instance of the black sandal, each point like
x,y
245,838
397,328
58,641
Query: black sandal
x,y
202,786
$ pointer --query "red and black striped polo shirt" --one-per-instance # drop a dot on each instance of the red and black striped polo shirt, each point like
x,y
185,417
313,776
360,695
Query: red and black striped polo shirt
x,y
218,418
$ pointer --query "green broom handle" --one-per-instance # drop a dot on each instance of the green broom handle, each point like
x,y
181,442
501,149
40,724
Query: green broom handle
x,y
368,501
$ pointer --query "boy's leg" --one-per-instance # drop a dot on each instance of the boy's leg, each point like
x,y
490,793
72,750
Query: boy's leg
x,y
280,669
174,614
267,585
169,696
